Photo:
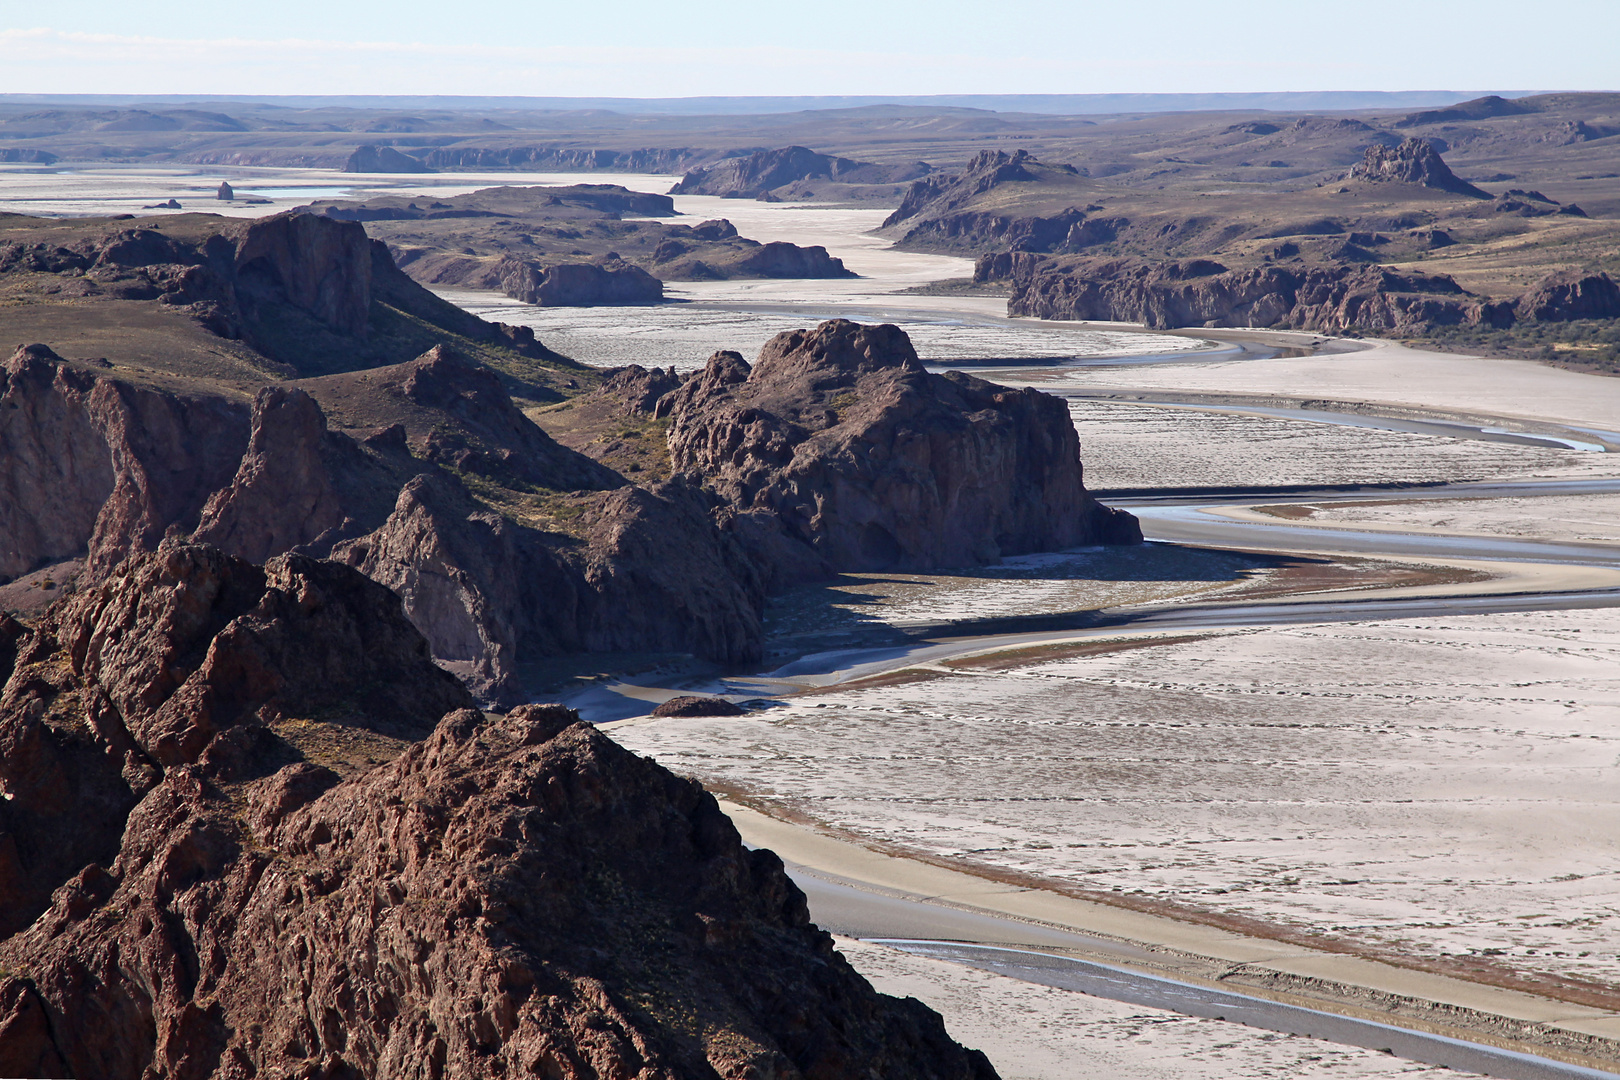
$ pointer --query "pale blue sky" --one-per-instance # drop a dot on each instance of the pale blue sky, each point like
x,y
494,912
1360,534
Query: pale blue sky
x,y
637,48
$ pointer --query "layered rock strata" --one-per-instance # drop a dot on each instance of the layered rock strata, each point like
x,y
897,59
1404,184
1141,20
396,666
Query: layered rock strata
x,y
1325,298
757,174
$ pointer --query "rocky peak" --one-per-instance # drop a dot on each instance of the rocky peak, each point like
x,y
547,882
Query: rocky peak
x,y
282,495
313,263
509,896
482,431
839,437
187,658
1414,161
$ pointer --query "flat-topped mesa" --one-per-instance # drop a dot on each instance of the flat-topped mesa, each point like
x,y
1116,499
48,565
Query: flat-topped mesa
x,y
862,456
1414,161
757,174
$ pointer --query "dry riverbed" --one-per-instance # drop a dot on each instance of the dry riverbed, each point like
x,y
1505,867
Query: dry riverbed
x,y
1034,1032
1442,789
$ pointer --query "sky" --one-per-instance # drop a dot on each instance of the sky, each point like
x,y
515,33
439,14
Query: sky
x,y
639,48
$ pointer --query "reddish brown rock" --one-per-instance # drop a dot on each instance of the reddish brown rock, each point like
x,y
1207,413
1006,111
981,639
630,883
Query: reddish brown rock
x,y
1414,161
511,896
874,463
188,657
1571,295
282,496
89,464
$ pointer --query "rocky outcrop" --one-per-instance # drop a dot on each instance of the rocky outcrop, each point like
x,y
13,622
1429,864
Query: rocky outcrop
x,y
564,159
481,589
188,658
282,496
761,172
577,284
680,259
382,159
871,462
958,211
1201,292
1571,295
98,469
93,466
986,171
692,705
1414,161
507,201
469,423
295,873
1324,298
306,262
239,281
12,155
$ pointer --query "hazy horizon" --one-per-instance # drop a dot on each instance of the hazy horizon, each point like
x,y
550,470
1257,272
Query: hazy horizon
x,y
727,48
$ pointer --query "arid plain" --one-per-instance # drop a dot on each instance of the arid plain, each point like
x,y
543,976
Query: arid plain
x,y
1436,790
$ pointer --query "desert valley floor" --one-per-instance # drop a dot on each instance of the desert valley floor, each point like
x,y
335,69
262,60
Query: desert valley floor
x,y
1431,784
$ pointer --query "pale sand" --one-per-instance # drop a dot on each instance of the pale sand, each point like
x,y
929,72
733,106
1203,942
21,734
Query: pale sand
x,y
1033,1032
1144,447
1438,786
1585,518
1395,375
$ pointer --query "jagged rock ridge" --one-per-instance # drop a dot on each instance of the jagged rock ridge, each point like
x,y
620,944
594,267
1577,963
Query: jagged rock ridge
x,y
292,871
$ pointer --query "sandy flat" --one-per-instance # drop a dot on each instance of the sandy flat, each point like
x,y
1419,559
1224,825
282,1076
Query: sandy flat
x,y
1397,375
1441,786
1138,446
1589,518
1032,1032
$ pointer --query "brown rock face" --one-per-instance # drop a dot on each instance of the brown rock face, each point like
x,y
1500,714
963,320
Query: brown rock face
x,y
188,657
1567,296
90,464
874,463
577,284
1200,292
511,896
282,496
1414,161
314,264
